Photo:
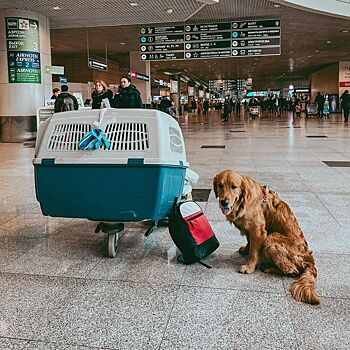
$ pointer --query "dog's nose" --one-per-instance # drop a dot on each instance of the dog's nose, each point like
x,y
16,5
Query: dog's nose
x,y
224,202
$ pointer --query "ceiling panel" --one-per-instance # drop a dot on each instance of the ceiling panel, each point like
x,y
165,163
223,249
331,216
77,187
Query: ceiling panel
x,y
304,34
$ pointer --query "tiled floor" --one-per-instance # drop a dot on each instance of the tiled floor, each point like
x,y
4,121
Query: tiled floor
x,y
59,292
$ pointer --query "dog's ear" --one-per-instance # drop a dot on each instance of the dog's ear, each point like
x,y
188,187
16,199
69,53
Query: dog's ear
x,y
245,193
215,185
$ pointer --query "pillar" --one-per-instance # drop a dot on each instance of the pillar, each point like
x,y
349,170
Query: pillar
x,y
142,67
22,91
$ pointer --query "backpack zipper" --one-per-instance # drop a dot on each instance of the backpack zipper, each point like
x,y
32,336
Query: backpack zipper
x,y
194,217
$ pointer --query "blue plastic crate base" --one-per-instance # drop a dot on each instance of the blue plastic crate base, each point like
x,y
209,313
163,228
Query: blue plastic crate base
x,y
108,192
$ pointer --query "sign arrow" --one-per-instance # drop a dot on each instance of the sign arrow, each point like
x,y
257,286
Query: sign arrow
x,y
34,25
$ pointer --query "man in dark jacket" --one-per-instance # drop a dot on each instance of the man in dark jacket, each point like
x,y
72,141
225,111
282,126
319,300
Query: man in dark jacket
x,y
345,104
320,104
128,96
65,101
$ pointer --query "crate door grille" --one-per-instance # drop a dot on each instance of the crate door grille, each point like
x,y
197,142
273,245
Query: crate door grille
x,y
122,136
65,137
127,136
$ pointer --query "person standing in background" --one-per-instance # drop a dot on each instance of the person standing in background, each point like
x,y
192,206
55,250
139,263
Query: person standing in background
x,y
128,96
100,93
345,104
55,93
65,101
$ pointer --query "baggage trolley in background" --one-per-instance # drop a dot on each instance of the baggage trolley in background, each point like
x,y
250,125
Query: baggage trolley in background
x,y
311,110
138,178
254,112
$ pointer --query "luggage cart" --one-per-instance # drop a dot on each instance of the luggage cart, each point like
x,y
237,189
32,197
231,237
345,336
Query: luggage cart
x,y
138,178
254,112
311,110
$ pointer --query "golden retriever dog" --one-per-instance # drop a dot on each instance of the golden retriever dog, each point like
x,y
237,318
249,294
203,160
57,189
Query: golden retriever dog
x,y
275,240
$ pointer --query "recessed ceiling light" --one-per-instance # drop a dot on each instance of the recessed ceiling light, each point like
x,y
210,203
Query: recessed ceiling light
x,y
309,56
133,4
277,5
169,11
328,42
56,8
122,43
345,31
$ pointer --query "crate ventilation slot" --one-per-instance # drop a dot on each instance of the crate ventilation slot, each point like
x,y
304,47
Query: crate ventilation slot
x,y
65,137
127,136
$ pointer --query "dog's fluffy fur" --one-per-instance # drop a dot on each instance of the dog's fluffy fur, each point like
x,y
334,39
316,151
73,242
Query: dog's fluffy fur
x,y
275,239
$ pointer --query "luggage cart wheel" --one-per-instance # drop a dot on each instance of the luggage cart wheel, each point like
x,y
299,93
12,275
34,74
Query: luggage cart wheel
x,y
153,226
112,241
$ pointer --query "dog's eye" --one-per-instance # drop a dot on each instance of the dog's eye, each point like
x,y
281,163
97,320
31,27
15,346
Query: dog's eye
x,y
233,187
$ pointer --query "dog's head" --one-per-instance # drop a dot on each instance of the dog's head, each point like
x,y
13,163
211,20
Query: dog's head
x,y
230,189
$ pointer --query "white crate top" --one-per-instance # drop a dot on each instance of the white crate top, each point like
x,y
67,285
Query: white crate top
x,y
145,134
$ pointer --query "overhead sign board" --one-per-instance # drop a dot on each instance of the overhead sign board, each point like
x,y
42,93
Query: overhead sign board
x,y
225,39
54,70
94,64
136,75
23,50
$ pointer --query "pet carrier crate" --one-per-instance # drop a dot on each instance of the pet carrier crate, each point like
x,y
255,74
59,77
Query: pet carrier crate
x,y
138,178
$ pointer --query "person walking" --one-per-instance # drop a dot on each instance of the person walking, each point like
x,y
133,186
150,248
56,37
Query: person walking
x,y
101,93
345,104
205,107
128,96
65,101
227,109
194,106
320,104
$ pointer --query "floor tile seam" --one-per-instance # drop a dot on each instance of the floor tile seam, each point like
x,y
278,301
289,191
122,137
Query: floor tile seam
x,y
172,308
92,268
87,279
16,193
7,220
22,339
322,296
233,289
290,317
324,205
29,340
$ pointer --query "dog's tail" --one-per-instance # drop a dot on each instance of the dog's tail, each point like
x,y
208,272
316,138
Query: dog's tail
x,y
303,289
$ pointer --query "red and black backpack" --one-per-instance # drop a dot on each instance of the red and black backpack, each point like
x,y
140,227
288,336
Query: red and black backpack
x,y
191,232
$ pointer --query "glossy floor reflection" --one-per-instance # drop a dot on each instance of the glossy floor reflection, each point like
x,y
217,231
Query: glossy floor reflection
x,y
59,291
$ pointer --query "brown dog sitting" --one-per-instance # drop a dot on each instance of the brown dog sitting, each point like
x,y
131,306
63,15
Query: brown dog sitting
x,y
275,239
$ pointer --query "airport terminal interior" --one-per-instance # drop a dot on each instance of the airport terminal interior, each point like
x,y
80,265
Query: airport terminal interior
x,y
116,111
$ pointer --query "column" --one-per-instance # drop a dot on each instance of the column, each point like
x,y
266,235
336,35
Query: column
x,y
142,67
25,50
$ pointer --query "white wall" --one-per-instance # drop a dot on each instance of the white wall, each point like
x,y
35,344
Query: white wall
x,y
335,8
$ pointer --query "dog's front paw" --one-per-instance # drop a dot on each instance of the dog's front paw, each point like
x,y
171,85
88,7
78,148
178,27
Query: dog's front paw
x,y
246,269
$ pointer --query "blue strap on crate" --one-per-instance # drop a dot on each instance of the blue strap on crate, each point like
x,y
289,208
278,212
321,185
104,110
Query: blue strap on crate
x,y
93,140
